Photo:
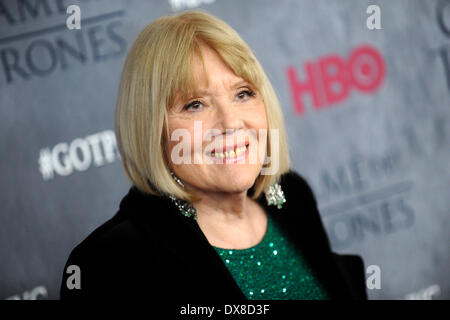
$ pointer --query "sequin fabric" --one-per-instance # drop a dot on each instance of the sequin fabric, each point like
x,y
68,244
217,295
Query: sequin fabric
x,y
273,269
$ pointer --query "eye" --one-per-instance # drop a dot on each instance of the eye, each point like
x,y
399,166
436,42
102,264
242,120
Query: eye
x,y
245,94
193,106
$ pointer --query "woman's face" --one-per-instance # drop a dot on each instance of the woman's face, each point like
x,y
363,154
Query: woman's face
x,y
223,128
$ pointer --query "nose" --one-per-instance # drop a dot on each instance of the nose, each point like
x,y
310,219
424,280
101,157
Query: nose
x,y
228,117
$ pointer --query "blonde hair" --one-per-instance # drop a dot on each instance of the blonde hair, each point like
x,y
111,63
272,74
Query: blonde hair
x,y
157,69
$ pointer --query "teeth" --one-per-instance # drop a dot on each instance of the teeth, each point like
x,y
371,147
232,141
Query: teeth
x,y
240,150
229,154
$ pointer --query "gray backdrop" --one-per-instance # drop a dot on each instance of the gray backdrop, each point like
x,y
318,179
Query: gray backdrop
x,y
367,112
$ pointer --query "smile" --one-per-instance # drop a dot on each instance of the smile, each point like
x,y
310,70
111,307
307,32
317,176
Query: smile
x,y
229,154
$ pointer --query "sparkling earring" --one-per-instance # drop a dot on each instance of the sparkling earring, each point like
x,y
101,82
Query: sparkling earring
x,y
275,196
185,207
178,180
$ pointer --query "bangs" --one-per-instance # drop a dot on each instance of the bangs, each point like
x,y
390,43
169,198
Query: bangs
x,y
235,55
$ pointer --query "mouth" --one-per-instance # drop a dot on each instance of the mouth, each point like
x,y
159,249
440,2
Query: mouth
x,y
230,153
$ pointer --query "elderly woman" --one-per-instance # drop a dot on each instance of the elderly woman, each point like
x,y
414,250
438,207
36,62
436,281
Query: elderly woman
x,y
214,212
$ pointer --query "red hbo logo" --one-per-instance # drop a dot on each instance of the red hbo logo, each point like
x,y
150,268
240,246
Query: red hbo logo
x,y
329,80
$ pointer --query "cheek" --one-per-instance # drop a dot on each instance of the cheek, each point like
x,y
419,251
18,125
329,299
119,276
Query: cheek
x,y
179,142
185,142
261,124
260,117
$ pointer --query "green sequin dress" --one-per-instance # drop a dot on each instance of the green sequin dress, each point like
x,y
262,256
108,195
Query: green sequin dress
x,y
273,269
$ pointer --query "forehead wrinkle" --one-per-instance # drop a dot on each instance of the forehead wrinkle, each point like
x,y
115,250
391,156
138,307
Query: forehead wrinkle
x,y
228,84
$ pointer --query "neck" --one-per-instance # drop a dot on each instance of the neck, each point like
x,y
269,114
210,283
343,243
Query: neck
x,y
223,207
230,220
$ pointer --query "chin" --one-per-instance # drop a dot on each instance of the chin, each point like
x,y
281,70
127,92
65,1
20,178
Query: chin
x,y
240,181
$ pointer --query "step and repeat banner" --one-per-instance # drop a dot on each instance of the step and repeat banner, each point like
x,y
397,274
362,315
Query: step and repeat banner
x,y
365,90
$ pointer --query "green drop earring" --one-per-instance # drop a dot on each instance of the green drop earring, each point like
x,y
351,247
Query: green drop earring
x,y
185,207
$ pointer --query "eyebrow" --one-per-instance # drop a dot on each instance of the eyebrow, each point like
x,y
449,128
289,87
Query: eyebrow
x,y
205,92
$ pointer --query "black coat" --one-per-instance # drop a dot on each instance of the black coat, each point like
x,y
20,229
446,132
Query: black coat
x,y
150,250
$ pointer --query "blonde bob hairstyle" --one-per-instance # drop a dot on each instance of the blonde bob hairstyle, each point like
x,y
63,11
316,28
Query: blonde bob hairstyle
x,y
156,71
